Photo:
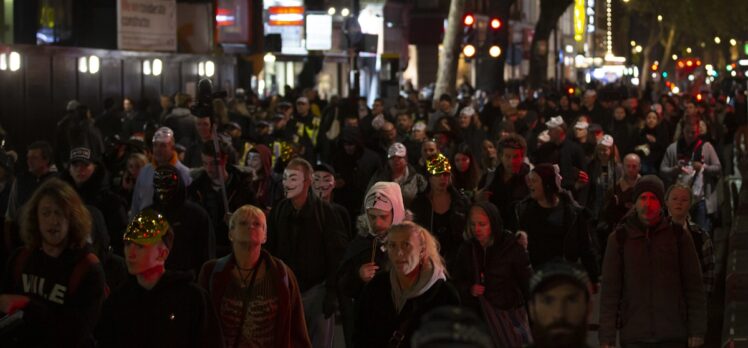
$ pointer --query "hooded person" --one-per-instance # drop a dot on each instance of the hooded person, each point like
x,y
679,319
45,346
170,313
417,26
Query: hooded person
x,y
195,241
390,306
491,273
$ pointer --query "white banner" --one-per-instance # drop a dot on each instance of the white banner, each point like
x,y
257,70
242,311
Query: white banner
x,y
147,25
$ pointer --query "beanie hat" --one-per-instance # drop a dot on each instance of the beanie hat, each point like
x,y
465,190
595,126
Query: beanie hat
x,y
650,183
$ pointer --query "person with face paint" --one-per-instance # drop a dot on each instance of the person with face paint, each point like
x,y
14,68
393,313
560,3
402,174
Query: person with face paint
x,y
196,241
207,186
156,307
441,208
306,233
365,255
255,295
163,154
399,171
560,306
259,162
491,272
508,186
555,224
323,184
652,268
392,303
54,280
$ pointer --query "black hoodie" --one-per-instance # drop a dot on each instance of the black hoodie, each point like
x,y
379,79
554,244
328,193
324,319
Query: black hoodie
x,y
194,239
174,313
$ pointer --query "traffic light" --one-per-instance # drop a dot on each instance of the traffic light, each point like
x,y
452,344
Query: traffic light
x,y
495,25
654,67
468,35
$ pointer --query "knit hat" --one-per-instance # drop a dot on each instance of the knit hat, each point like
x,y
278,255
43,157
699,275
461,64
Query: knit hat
x,y
650,183
559,271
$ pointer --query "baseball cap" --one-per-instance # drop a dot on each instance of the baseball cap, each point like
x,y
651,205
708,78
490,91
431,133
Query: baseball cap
x,y
81,154
397,150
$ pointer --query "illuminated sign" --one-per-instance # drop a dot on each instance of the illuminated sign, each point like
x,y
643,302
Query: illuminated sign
x,y
318,32
281,16
590,16
579,20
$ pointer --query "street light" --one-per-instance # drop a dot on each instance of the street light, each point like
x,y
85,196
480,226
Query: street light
x,y
638,49
331,11
494,51
733,42
468,51
675,57
633,43
659,18
345,12
717,40
688,50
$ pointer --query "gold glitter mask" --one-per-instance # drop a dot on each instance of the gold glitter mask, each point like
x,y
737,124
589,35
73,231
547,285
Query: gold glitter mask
x,y
146,228
438,164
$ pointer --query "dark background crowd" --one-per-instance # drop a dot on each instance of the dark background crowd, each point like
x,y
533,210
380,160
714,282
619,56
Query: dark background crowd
x,y
491,189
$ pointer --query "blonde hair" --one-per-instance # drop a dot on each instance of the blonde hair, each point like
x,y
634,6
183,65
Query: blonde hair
x,y
245,210
76,213
679,186
428,242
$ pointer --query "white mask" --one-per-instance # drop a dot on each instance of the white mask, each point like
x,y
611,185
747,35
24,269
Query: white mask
x,y
322,184
293,182
254,162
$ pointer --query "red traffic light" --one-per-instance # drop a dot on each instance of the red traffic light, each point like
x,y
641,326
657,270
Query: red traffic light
x,y
468,20
699,97
495,24
570,90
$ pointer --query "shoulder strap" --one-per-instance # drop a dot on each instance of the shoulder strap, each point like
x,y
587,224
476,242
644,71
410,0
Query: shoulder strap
x,y
20,263
218,267
81,268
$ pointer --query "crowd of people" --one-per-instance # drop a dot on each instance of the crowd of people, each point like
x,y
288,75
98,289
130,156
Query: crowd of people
x,y
262,222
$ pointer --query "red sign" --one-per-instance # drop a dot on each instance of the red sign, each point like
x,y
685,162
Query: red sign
x,y
286,16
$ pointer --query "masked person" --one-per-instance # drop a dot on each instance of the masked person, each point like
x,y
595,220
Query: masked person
x,y
259,161
323,184
307,234
652,291
365,256
195,241
163,154
156,307
255,295
560,306
392,303
55,280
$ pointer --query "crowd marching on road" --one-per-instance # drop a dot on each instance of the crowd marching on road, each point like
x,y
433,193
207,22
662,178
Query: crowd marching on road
x,y
233,228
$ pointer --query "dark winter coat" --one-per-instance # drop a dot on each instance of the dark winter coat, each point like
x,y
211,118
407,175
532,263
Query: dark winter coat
x,y
652,285
503,267
353,171
450,240
506,195
290,328
310,241
65,292
96,192
376,316
238,192
543,246
174,313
